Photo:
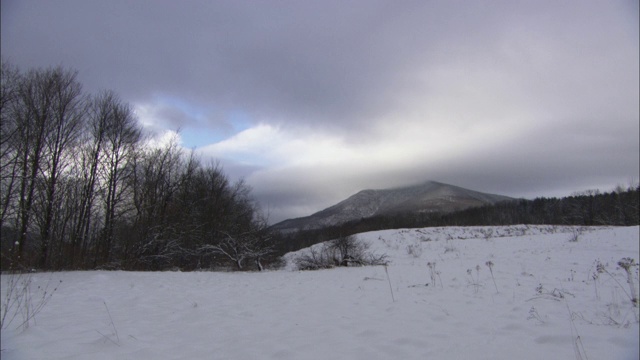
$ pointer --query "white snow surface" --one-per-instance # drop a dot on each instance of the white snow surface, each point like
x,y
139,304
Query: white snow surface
x,y
549,305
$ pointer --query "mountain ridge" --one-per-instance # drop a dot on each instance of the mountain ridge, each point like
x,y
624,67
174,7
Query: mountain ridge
x,y
429,196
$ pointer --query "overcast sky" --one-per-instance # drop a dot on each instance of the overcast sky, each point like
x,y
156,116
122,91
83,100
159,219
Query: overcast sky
x,y
312,101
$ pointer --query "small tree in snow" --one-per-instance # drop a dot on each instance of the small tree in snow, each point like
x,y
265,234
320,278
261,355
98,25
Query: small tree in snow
x,y
253,244
348,250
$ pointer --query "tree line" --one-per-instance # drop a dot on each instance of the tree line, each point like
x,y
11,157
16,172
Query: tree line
x,y
82,187
620,207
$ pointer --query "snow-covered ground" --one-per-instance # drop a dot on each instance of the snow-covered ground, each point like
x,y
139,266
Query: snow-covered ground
x,y
551,302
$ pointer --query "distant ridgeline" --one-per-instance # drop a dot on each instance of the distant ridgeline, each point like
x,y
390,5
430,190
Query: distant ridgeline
x,y
617,208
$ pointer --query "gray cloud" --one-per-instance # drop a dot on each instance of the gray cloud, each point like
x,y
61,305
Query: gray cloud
x,y
539,97
301,61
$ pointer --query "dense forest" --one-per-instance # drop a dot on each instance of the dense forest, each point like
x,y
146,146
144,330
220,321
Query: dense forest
x,y
619,207
82,187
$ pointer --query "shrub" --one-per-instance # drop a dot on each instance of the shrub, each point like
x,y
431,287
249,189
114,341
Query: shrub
x,y
343,251
22,299
414,250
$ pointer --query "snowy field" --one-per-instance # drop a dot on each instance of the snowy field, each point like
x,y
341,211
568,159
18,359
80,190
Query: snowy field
x,y
549,300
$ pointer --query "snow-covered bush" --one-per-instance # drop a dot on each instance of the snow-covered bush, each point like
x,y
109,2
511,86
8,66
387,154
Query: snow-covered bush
x,y
343,251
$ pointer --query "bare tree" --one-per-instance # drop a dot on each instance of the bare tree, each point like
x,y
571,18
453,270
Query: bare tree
x,y
122,136
9,156
32,112
156,179
9,82
240,234
348,250
89,163
41,117
251,244
62,131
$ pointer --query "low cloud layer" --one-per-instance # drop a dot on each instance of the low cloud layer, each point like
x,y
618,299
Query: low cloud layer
x,y
313,101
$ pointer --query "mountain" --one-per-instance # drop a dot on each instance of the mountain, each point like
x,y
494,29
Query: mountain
x,y
430,196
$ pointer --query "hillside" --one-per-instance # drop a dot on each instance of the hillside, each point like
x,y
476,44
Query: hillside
x,y
428,197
